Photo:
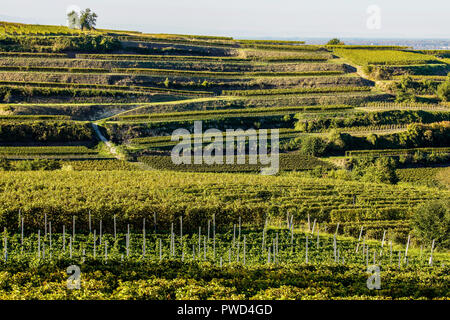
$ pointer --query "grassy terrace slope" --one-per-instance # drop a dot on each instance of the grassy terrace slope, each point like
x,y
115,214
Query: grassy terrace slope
x,y
396,62
385,57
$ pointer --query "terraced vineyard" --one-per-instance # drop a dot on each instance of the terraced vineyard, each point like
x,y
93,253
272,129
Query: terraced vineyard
x,y
388,57
50,152
87,175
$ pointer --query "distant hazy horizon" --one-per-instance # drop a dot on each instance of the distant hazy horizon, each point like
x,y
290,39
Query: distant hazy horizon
x,y
400,19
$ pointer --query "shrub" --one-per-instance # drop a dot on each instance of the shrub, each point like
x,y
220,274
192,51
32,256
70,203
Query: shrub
x,y
5,164
431,221
341,174
45,131
7,97
405,95
29,165
313,146
86,43
382,171
337,141
370,169
419,157
443,91
377,72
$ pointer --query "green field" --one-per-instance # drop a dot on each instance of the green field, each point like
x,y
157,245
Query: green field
x,y
384,57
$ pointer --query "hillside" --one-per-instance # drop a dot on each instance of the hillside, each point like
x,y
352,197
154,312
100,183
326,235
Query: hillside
x,y
364,141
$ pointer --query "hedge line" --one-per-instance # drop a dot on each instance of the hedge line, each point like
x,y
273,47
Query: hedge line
x,y
48,131
293,91
53,69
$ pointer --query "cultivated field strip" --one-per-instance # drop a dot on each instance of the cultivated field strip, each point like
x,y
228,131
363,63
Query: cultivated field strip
x,y
167,193
228,113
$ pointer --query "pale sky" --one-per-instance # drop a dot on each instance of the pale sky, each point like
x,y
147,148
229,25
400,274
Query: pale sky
x,y
249,18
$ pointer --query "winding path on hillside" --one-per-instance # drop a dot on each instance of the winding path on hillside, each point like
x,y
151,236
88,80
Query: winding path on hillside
x,y
109,145
113,150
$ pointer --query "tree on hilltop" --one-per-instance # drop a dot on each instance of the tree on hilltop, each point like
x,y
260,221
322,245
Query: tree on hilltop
x,y
88,19
335,42
85,20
